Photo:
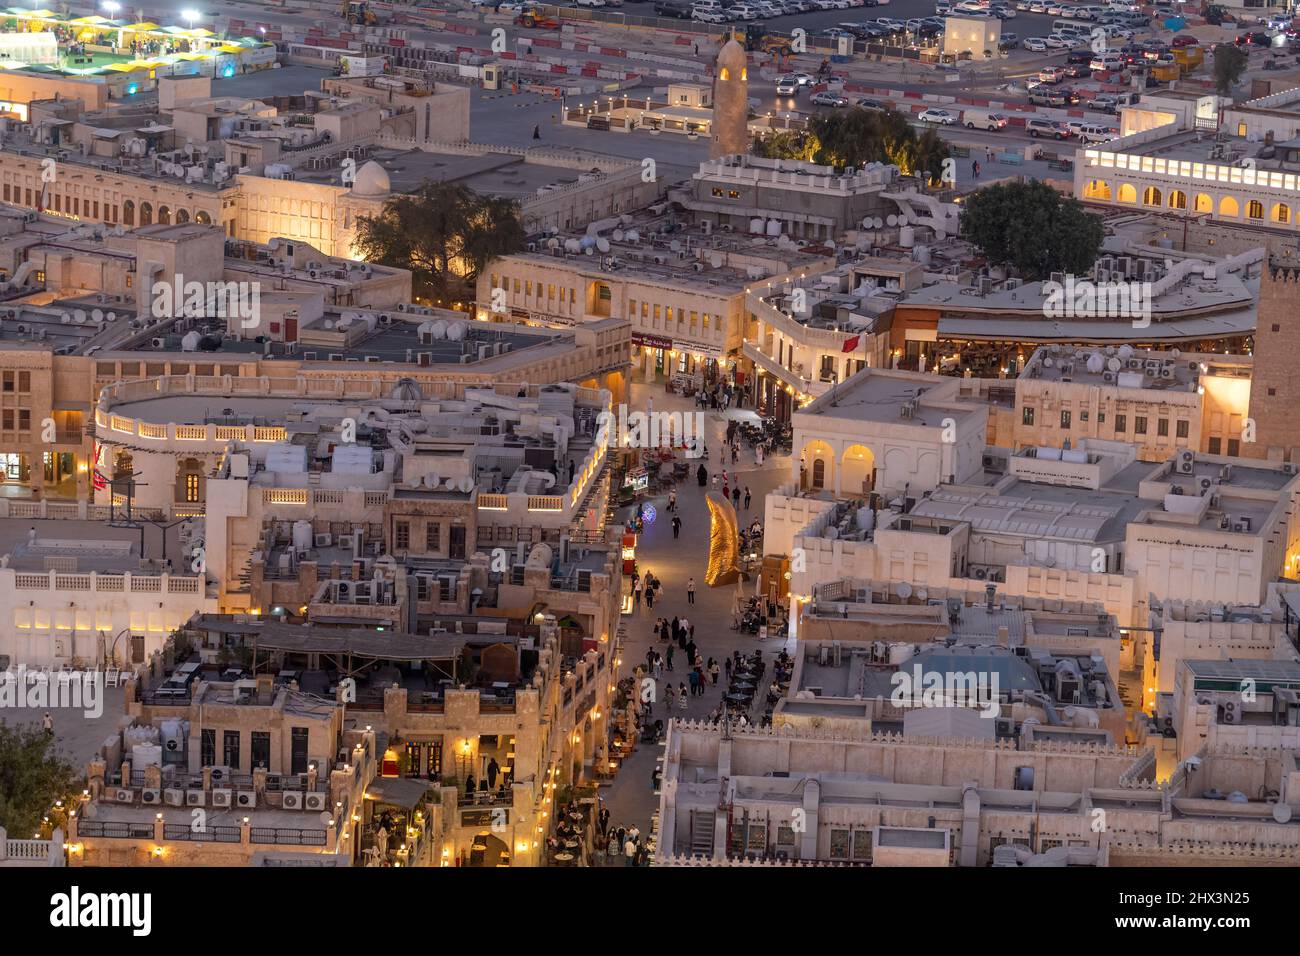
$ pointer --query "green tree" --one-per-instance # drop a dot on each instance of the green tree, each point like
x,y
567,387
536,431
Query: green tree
x,y
1229,64
857,137
1033,228
785,144
445,234
33,775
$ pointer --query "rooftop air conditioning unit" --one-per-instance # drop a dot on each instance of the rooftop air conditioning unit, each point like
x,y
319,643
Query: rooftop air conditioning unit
x,y
151,796
246,799
292,800
221,797
324,540
174,797
195,798
124,795
314,801
159,342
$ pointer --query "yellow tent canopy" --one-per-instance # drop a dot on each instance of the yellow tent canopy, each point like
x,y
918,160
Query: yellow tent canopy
x,y
91,21
39,15
230,48
142,27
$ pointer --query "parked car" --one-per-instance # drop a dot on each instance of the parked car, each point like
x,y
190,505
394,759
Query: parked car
x,y
938,116
1048,128
1034,44
1096,133
1055,41
875,106
669,8
827,98
1008,41
1184,39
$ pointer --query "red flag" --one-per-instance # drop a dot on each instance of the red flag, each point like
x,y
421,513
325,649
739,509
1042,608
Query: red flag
x,y
851,345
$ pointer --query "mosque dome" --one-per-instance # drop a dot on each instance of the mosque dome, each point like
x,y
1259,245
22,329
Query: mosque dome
x,y
372,180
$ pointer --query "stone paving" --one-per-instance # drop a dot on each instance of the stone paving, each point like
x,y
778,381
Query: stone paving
x,y
630,798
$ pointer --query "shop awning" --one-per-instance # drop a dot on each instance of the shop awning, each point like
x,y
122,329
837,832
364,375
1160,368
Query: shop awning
x,y
398,792
141,27
94,20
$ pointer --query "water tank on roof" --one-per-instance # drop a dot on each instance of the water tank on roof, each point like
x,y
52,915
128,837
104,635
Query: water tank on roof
x,y
756,226
190,341
139,735
900,653
456,331
145,755
438,329
351,460
866,519
774,227
302,536
907,237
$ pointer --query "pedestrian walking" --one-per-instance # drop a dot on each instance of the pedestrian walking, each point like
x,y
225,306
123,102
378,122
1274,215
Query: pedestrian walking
x,y
702,473
713,672
650,597
726,490
672,500
727,664
681,698
669,693
747,499
695,682
47,723
715,482
735,497
690,590
672,650
537,132
677,526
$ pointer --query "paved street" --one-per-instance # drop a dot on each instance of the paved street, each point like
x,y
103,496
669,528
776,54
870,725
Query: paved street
x,y
630,799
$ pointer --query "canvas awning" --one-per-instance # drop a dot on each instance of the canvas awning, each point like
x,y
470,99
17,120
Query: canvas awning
x,y
401,792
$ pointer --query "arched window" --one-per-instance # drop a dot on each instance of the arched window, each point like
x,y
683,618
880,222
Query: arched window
x,y
819,473
1204,203
1255,209
744,73
146,214
1151,197
164,215
1178,199
1097,189
202,218
182,216
128,213
724,74
1127,193
1228,207
1281,213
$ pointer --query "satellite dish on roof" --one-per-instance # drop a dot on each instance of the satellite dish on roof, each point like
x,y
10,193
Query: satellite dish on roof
x,y
675,245
715,261
467,485
1114,364
904,590
618,235
1282,812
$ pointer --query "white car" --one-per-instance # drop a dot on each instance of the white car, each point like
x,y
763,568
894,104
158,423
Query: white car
x,y
827,98
709,16
1035,44
590,3
787,86
1055,41
743,11
941,117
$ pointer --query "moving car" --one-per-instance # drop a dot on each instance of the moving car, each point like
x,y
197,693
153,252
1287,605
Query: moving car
x,y
1051,74
876,106
1046,96
1045,127
935,115
787,86
975,118
827,98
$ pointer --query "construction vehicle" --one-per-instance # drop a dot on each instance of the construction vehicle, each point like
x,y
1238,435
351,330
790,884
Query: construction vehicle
x,y
533,20
357,12
1216,14
756,38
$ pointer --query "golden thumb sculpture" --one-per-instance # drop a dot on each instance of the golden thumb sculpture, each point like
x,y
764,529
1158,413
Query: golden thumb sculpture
x,y
724,543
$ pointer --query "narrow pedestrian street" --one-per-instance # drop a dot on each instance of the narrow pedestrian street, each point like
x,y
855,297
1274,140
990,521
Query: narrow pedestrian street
x,y
631,798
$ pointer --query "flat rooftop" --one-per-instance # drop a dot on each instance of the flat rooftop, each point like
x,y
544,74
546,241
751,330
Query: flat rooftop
x,y
74,546
879,396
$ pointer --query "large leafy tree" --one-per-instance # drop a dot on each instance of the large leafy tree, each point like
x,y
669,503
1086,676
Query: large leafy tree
x,y
1230,62
785,144
33,775
1033,228
856,137
445,234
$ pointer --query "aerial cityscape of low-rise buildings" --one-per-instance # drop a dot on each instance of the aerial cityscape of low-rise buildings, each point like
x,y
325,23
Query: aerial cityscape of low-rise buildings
x,y
513,435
